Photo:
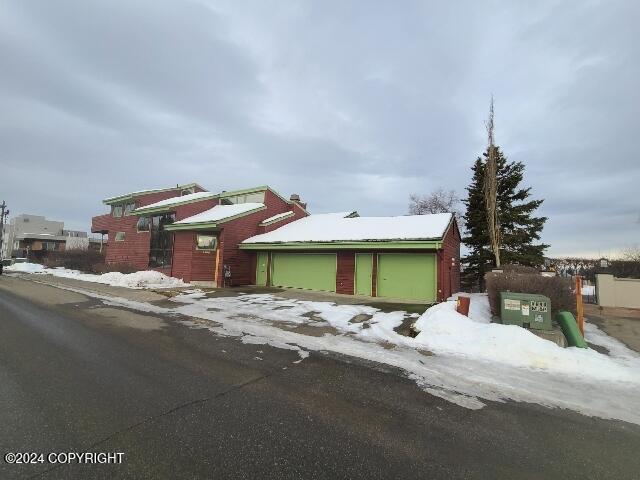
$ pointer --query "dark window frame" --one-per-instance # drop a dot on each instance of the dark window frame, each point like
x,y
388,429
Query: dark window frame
x,y
148,223
161,241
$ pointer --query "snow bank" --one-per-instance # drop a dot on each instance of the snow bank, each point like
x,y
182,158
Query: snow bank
x,y
142,279
444,331
24,268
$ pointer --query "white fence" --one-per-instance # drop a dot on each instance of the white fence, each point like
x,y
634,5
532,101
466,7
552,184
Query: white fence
x,y
617,292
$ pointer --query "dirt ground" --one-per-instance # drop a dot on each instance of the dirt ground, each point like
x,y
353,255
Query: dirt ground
x,y
620,323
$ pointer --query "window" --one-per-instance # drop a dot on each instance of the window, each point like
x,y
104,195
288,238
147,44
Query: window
x,y
119,237
49,246
129,207
143,224
116,211
187,191
161,242
25,220
254,197
206,242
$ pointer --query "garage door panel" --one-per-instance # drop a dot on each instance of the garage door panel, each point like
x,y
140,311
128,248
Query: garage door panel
x,y
304,270
409,276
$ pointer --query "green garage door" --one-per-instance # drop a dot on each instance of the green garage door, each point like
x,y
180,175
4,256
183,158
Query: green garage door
x,y
410,276
313,271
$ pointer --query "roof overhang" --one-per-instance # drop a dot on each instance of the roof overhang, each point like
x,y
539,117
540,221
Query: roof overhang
x,y
170,207
210,225
346,245
131,196
280,218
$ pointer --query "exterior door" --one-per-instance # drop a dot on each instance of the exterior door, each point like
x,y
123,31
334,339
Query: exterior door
x,y
364,268
312,271
409,276
261,268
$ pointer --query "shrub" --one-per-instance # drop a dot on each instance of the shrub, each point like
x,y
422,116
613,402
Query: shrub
x,y
525,269
558,289
83,260
114,267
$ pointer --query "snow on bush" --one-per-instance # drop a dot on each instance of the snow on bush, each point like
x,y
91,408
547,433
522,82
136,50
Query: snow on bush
x,y
24,268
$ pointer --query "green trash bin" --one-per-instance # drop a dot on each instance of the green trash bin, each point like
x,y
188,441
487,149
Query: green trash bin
x,y
526,310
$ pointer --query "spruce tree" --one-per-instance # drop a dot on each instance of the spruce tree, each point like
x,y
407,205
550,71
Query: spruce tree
x,y
519,228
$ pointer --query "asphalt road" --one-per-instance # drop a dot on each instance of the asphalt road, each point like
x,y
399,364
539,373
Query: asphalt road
x,y
79,376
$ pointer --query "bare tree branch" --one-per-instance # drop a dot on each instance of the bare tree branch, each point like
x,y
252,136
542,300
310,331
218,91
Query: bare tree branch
x,y
439,201
491,190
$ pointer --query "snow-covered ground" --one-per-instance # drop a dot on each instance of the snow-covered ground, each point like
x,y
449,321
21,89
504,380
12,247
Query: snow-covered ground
x,y
463,360
142,279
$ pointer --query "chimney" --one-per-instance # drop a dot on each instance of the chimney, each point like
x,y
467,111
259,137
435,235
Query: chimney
x,y
296,198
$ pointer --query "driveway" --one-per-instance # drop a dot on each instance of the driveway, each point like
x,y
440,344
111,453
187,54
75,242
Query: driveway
x,y
78,374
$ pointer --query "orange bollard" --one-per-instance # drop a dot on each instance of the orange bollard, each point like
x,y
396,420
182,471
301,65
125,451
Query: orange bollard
x,y
462,305
579,305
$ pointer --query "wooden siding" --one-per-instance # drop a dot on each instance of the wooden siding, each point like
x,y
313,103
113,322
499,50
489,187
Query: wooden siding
x,y
345,272
242,262
449,264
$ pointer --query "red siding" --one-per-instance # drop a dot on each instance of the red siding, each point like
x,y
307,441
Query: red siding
x,y
242,262
189,263
135,247
449,263
345,272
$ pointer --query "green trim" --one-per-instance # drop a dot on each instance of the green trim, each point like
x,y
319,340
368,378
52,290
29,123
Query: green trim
x,y
210,225
133,195
244,191
390,245
167,208
265,223
196,226
262,188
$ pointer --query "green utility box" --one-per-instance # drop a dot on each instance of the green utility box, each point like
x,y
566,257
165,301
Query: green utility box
x,y
525,310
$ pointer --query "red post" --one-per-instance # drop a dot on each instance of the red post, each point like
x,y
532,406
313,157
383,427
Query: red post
x,y
579,305
462,305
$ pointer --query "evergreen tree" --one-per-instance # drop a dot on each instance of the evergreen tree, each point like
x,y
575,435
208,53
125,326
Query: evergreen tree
x,y
519,229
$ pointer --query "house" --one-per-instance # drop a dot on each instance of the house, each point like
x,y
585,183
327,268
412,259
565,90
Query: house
x,y
256,236
193,234
33,237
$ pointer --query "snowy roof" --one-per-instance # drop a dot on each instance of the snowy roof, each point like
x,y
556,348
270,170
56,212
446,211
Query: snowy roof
x,y
219,213
275,218
341,227
192,197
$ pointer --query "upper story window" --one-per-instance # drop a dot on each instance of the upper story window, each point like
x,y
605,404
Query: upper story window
x,y
119,236
188,191
143,224
254,197
129,207
116,211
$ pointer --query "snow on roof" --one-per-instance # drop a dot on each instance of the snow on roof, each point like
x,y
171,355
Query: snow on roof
x,y
220,212
277,217
337,227
192,197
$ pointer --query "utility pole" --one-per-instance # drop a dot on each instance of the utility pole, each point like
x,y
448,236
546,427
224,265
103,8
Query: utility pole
x,y
4,213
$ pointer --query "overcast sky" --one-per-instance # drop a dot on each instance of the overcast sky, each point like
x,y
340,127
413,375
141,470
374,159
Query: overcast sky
x,y
353,105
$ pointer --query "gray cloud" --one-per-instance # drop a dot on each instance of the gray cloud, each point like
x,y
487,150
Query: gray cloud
x,y
353,106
